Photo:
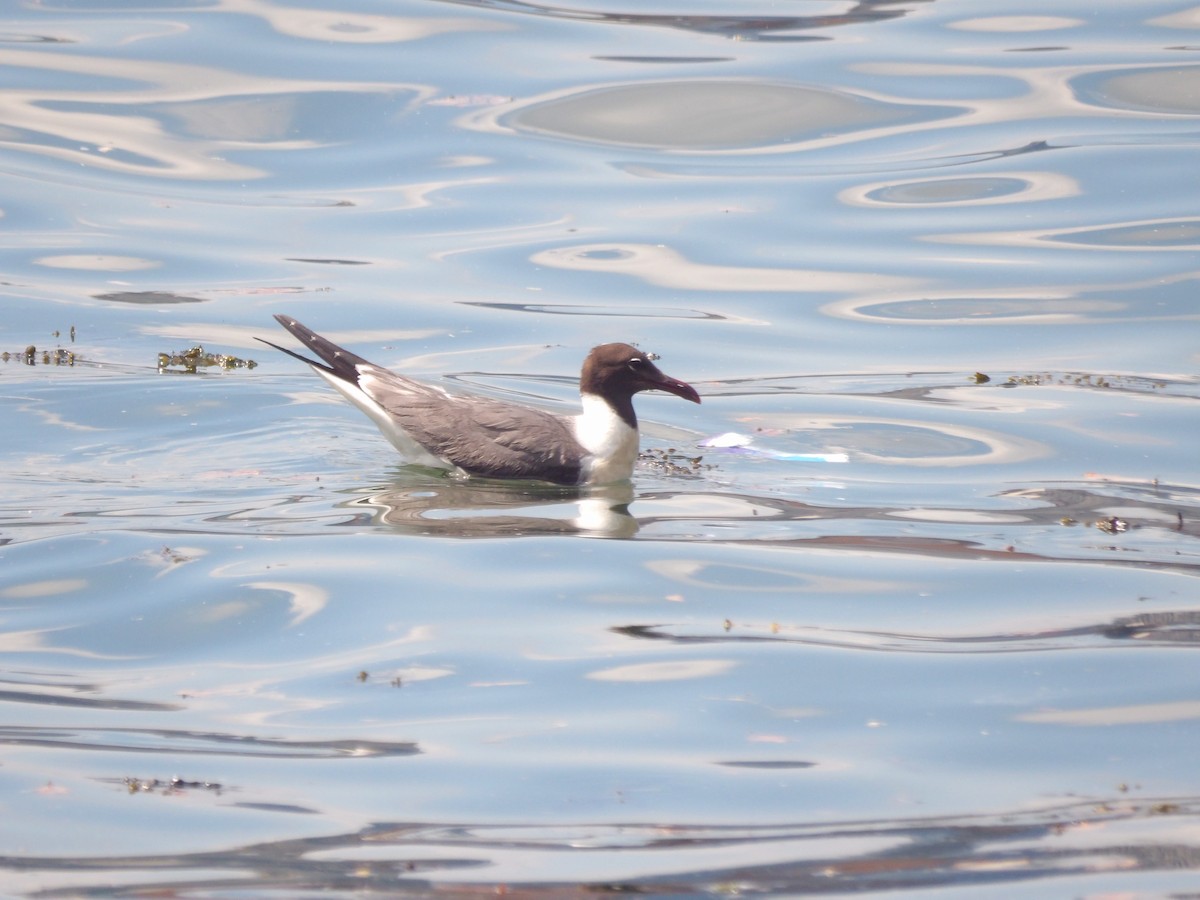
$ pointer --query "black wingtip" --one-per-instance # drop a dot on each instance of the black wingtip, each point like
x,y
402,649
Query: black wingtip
x,y
335,360
294,354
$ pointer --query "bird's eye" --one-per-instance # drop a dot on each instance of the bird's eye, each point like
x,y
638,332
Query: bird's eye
x,y
636,362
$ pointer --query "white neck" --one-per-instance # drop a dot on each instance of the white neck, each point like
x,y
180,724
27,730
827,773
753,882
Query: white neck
x,y
612,444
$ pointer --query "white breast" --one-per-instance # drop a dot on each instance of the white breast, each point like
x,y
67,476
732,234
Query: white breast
x,y
611,444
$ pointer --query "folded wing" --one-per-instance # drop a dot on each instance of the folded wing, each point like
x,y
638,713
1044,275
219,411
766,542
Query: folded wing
x,y
479,435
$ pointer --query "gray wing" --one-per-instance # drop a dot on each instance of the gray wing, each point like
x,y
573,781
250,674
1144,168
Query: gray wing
x,y
480,435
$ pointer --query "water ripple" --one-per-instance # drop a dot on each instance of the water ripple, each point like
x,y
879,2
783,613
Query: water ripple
x,y
196,743
1066,845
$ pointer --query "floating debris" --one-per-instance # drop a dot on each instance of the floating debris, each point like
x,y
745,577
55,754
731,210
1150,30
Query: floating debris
x,y
672,462
979,378
169,786
174,557
31,356
191,361
1046,378
1112,525
741,443
1085,379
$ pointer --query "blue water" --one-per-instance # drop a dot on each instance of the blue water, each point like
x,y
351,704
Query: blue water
x,y
248,652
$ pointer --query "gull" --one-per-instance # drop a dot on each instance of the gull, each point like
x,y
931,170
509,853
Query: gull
x,y
491,438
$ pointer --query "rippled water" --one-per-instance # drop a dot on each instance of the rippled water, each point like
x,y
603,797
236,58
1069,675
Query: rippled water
x,y
248,652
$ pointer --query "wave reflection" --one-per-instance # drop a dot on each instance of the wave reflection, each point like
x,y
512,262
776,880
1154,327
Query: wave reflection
x,y
706,115
1065,845
122,115
1176,628
662,266
761,27
964,190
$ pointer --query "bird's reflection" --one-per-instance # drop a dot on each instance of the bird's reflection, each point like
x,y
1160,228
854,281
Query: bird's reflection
x,y
424,502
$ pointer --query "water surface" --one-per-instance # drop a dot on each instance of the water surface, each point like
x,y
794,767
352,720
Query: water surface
x,y
248,651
